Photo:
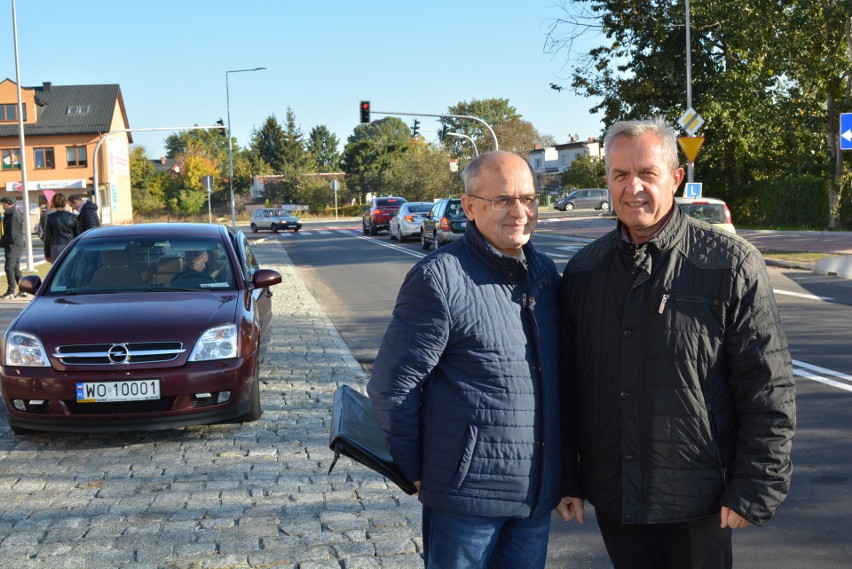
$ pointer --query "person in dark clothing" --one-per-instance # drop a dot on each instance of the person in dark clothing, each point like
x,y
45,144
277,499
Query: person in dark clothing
x,y
678,395
464,386
87,212
60,228
13,245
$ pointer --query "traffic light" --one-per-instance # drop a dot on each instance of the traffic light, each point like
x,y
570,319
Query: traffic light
x,y
415,128
443,133
365,112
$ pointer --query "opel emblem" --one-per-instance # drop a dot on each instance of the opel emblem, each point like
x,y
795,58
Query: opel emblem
x,y
118,354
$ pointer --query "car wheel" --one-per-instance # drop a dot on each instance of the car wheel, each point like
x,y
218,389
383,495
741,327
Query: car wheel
x,y
373,230
295,229
424,243
436,242
569,207
274,228
390,234
253,228
364,227
604,206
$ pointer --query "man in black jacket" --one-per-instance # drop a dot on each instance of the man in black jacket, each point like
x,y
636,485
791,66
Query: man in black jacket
x,y
13,245
87,212
678,397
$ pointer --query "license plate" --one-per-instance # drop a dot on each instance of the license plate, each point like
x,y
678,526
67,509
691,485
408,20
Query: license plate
x,y
112,391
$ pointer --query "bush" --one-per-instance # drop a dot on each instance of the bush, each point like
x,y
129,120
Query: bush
x,y
800,202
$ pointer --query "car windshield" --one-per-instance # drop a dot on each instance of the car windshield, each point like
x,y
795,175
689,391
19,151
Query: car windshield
x,y
419,207
388,202
711,213
122,264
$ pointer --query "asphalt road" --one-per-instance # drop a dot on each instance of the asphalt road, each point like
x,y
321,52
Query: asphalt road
x,y
356,278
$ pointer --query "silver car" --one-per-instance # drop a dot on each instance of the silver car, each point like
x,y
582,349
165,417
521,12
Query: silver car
x,y
273,219
406,223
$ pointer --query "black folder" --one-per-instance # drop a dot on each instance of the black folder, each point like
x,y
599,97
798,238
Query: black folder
x,y
354,434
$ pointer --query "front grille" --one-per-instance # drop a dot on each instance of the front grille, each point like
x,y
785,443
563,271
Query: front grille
x,y
118,354
164,404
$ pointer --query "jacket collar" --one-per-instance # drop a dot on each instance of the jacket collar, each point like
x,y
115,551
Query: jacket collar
x,y
666,239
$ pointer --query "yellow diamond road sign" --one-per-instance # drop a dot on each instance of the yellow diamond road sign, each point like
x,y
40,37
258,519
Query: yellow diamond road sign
x,y
690,146
691,121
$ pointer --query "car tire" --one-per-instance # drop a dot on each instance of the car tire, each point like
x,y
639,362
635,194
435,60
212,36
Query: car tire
x,y
253,228
274,228
604,206
295,229
437,242
254,413
391,235
373,230
424,243
569,207
364,228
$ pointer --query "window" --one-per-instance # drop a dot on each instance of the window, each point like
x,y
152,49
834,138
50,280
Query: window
x,y
44,158
76,156
11,159
9,112
78,110
538,163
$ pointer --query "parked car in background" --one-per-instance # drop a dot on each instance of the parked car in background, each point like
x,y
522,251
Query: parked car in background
x,y
158,326
378,215
445,222
273,219
712,210
593,198
407,221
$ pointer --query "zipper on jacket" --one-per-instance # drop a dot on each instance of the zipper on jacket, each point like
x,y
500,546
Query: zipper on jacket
x,y
716,445
663,302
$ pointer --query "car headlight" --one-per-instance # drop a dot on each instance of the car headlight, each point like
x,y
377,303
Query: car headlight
x,y
24,350
219,343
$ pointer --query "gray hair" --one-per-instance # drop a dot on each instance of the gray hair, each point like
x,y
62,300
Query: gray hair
x,y
474,168
634,129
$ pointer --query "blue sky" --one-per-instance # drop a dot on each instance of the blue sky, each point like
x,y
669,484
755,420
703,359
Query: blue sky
x,y
322,58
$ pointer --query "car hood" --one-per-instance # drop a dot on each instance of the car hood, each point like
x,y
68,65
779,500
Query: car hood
x,y
155,316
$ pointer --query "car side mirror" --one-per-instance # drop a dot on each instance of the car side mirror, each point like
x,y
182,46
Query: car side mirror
x,y
30,284
263,278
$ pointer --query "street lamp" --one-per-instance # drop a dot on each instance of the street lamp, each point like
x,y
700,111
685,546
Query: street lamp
x,y
230,144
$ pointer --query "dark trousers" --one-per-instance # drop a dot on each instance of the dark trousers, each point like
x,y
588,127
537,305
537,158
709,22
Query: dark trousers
x,y
12,266
698,544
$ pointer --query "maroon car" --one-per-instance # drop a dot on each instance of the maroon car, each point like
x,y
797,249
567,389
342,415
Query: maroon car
x,y
140,327
378,215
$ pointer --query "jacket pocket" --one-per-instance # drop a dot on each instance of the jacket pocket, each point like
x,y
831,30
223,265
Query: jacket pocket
x,y
466,457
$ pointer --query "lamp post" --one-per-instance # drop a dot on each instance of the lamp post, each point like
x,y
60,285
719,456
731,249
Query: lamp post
x,y
230,144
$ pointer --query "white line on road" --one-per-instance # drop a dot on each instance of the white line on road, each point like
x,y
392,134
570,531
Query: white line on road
x,y
392,246
803,369
801,295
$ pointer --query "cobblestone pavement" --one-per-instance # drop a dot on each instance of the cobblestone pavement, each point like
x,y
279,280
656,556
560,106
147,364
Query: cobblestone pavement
x,y
224,496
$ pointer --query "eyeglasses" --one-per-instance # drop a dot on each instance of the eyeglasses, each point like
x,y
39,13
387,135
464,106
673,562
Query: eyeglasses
x,y
502,203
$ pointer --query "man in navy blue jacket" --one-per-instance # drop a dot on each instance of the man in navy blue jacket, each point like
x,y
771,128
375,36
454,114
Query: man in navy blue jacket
x,y
465,385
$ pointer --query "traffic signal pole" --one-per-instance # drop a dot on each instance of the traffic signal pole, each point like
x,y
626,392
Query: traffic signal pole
x,y
468,117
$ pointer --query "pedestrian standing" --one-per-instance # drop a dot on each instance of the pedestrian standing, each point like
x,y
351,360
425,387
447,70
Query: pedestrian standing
x,y
13,245
60,228
87,212
465,384
678,393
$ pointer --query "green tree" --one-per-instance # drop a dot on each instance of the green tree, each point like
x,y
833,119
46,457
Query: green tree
x,y
769,99
422,174
268,143
370,150
146,183
492,111
323,147
584,172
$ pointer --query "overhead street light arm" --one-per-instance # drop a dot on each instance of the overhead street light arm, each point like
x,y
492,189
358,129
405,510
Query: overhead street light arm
x,y
458,135
469,117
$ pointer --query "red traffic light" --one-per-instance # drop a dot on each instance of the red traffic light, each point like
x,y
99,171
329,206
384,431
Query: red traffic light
x,y
365,112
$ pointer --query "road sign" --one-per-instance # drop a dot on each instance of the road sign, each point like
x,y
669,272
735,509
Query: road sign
x,y
691,121
690,146
845,131
692,190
